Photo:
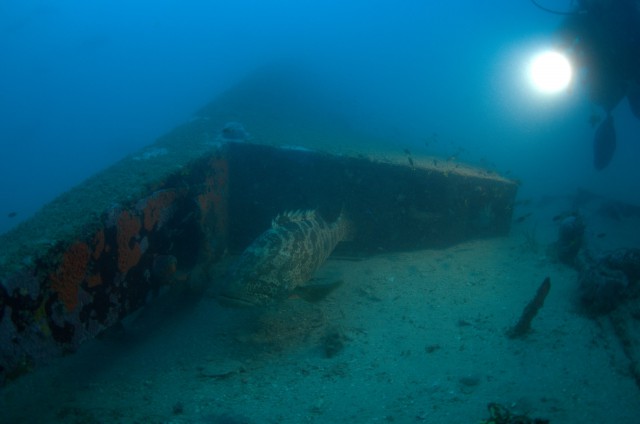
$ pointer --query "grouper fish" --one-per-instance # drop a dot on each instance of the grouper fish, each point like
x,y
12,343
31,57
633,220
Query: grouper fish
x,y
282,259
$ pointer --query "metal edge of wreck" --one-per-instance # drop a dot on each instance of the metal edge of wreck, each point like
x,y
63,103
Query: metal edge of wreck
x,y
99,251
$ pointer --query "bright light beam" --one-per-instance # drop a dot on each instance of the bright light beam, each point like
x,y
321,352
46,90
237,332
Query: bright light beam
x,y
550,72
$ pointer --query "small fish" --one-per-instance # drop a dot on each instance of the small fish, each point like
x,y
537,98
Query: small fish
x,y
433,138
282,258
594,119
604,143
456,154
601,235
523,217
12,214
561,216
411,162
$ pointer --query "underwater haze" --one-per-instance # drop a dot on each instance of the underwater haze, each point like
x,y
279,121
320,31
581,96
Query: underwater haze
x,y
304,211
83,84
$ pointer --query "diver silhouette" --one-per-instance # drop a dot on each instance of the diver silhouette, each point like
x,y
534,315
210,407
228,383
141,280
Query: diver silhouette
x,y
602,38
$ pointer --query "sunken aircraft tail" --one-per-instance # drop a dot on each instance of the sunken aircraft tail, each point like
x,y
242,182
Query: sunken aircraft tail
x,y
162,218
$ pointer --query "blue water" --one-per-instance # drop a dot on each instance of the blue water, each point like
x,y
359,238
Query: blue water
x,y
83,84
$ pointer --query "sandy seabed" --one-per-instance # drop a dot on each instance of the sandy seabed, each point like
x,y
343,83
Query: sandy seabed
x,y
409,337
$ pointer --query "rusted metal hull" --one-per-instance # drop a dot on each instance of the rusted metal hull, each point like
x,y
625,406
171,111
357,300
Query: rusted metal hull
x,y
55,297
165,215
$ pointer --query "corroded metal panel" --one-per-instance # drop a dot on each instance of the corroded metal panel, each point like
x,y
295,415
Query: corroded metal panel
x,y
164,215
393,204
57,296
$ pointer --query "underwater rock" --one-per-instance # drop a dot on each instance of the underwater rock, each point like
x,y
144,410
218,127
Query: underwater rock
x,y
608,281
530,311
601,289
570,239
625,260
501,415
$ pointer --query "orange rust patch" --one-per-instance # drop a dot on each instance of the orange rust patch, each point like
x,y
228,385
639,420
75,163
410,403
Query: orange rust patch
x,y
155,206
71,272
94,280
128,228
